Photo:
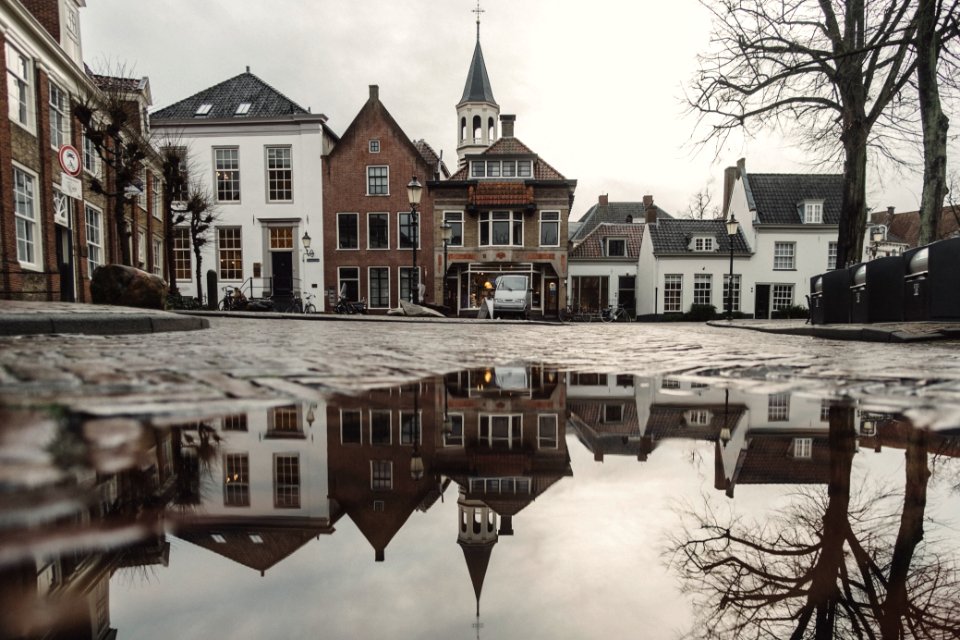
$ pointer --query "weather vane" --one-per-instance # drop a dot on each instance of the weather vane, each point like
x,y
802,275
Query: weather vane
x,y
478,11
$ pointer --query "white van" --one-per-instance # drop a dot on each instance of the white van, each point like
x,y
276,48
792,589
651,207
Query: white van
x,y
512,295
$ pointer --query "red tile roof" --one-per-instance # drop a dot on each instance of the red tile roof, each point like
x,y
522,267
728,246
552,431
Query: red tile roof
x,y
591,247
513,147
497,194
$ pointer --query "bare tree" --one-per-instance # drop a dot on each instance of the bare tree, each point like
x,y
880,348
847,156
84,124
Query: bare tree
x,y
701,205
176,179
937,24
112,123
200,213
826,70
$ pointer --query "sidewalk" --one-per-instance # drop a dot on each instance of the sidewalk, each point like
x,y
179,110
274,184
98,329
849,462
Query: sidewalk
x,y
32,318
879,332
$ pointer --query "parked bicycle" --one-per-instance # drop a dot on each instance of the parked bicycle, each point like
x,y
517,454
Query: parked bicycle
x,y
306,303
233,299
615,314
345,306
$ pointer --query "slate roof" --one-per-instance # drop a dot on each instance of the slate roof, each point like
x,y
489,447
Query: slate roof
x,y
672,237
512,147
769,459
906,226
477,88
591,247
224,98
776,196
614,212
431,157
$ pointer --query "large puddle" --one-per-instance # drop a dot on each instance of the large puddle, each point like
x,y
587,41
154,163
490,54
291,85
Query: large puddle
x,y
510,501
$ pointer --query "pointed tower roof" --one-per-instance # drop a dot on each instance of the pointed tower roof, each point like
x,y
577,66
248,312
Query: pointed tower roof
x,y
478,559
478,87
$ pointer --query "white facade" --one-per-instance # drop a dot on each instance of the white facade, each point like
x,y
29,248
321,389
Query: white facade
x,y
270,232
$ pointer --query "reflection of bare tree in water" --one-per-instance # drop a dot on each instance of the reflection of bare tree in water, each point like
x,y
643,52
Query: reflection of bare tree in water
x,y
823,569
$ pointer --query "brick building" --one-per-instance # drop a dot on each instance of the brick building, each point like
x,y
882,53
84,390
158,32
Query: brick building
x,y
54,230
369,235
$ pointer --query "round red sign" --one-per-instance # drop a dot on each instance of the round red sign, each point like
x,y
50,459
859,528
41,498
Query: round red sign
x,y
70,160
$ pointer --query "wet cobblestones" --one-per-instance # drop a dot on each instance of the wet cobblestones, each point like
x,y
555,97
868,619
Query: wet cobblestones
x,y
264,360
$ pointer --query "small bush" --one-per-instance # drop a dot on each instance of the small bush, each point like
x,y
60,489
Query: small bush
x,y
794,311
701,313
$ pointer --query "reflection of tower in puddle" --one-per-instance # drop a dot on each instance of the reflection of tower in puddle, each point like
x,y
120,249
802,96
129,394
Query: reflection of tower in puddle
x,y
477,534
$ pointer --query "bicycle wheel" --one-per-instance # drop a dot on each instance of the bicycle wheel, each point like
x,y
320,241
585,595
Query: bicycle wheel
x,y
224,305
309,309
606,316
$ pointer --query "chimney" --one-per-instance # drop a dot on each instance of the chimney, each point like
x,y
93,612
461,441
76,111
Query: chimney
x,y
374,92
506,526
729,179
650,211
604,200
47,13
378,555
506,125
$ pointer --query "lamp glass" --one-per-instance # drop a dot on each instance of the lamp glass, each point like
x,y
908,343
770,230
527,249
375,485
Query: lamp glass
x,y
306,240
414,191
732,226
447,231
416,467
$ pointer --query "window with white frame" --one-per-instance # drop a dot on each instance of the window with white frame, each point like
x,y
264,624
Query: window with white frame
x,y
141,249
378,181
813,212
286,481
784,255
94,219
831,256
156,201
615,247
234,422
285,418
778,407
243,109
379,288
380,426
697,417
672,292
409,278
501,431
203,109
501,168
91,158
409,428
548,435
350,428
803,447
549,228
157,257
735,301
279,174
26,213
408,230
501,228
612,413
455,220
455,437
19,87
348,231
181,253
59,116
378,231
782,296
236,482
230,253
704,243
349,282
374,146
227,169
381,475
702,288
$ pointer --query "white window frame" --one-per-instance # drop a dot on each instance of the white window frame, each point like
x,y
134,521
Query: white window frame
x,y
703,288
551,422
778,407
95,244
157,256
356,216
141,249
155,194
371,301
415,242
405,276
370,415
454,439
454,218
237,233
813,212
21,98
550,218
704,244
373,146
378,166
27,216
608,243
59,103
277,172
385,480
91,157
831,255
803,448
353,412
736,291
677,297
784,256
370,215
488,218
778,299
514,429
182,254
235,153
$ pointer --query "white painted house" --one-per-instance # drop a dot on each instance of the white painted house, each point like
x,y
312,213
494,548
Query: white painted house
x,y
787,234
259,154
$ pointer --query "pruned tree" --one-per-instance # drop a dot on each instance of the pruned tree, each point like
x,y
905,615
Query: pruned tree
x,y
176,180
111,120
701,205
199,213
827,71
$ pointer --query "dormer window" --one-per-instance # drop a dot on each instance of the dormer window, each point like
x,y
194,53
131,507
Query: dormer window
x,y
698,417
812,211
704,243
203,109
501,168
242,109
616,247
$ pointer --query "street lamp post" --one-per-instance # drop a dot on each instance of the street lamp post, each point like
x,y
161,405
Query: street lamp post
x,y
732,228
447,233
414,191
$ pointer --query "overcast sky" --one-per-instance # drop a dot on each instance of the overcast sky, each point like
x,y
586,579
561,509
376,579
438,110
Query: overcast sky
x,y
597,87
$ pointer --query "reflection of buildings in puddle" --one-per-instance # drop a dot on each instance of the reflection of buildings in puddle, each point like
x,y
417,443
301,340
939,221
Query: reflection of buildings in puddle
x,y
255,482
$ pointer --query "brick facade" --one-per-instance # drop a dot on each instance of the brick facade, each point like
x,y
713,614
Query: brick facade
x,y
345,191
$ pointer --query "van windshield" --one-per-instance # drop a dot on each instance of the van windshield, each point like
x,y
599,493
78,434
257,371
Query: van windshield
x,y
512,283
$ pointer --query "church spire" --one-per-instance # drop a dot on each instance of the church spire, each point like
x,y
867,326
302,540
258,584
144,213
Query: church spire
x,y
478,113
478,11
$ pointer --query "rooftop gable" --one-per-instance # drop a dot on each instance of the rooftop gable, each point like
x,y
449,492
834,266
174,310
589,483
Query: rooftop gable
x,y
242,97
509,148
778,197
673,236
614,213
592,246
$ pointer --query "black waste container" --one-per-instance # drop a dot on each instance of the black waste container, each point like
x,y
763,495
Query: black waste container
x,y
931,285
876,294
816,299
835,293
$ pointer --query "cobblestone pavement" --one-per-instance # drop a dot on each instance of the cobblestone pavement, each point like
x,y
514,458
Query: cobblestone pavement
x,y
264,361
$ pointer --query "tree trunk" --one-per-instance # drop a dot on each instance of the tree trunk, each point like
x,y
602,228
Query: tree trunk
x,y
120,227
935,123
196,252
853,208
168,242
